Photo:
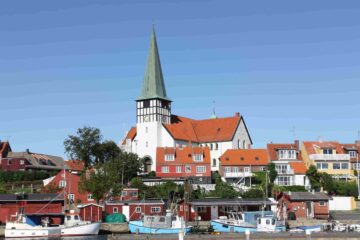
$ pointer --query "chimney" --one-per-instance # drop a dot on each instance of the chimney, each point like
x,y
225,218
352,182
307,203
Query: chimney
x,y
249,146
296,142
237,114
357,143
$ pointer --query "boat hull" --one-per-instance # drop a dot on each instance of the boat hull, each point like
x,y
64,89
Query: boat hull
x,y
81,230
137,227
225,227
33,233
315,228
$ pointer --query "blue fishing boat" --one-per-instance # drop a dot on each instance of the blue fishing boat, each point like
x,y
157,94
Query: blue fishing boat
x,y
159,225
236,223
314,228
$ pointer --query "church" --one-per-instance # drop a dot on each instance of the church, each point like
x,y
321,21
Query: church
x,y
156,126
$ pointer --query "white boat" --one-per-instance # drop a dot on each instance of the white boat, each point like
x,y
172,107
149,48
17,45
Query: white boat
x,y
236,223
24,226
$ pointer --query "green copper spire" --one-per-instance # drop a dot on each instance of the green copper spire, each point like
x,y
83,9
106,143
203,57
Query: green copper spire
x,y
153,86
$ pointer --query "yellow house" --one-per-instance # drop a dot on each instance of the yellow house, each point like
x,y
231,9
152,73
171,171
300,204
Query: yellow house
x,y
328,157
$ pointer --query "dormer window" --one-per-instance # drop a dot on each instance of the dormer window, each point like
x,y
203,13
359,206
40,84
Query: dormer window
x,y
327,151
198,157
286,154
352,154
169,157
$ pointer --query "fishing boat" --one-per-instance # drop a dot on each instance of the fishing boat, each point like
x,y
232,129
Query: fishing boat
x,y
35,226
236,223
167,224
313,228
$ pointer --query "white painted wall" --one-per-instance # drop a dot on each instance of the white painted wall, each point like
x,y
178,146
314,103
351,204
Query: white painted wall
x,y
241,135
341,203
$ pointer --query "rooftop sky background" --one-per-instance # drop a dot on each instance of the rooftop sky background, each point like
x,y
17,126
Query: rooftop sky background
x,y
283,65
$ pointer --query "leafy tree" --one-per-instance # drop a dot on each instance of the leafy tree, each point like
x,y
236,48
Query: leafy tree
x,y
327,182
96,182
50,188
272,172
84,145
106,151
253,193
294,188
343,188
314,177
223,189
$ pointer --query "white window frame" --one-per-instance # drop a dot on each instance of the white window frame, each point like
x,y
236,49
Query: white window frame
x,y
178,169
246,169
62,183
227,169
138,209
200,169
71,196
198,158
115,210
22,162
356,166
322,203
235,169
187,169
155,209
352,154
284,180
165,169
90,197
169,157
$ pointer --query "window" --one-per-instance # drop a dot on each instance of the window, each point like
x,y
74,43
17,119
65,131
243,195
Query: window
x,y
201,209
352,154
321,165
235,169
138,209
216,146
162,219
336,166
62,184
356,166
90,197
165,169
286,154
246,169
178,169
238,144
155,209
188,169
71,196
344,166
115,210
146,130
22,162
146,144
211,146
284,180
133,194
322,203
244,143
169,157
124,193
227,169
198,157
281,168
200,169
214,162
76,217
9,162
181,208
327,151
146,103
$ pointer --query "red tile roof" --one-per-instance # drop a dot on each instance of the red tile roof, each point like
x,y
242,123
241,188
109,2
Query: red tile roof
x,y
310,146
245,157
182,155
75,165
298,167
208,130
273,147
130,135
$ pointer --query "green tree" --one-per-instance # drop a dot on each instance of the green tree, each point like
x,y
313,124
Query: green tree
x,y
272,172
314,177
253,193
106,151
96,182
327,182
223,189
84,145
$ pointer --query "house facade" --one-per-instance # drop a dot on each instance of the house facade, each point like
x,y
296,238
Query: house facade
x,y
156,126
353,149
191,163
329,157
237,166
303,205
289,165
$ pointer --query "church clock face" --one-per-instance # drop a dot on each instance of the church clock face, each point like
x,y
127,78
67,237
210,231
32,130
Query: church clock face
x,y
164,119
146,118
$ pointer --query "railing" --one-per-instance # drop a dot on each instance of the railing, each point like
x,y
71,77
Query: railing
x,y
330,157
237,174
285,171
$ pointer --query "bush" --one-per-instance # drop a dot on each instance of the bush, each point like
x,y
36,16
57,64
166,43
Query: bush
x,y
253,193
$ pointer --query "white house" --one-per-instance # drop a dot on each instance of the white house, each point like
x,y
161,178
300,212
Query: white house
x,y
156,126
289,164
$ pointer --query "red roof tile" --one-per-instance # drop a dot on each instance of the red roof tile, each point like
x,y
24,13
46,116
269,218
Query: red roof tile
x,y
245,157
273,147
310,146
130,135
182,155
75,165
298,167
208,130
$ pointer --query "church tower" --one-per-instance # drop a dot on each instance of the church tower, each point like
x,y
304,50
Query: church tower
x,y
153,108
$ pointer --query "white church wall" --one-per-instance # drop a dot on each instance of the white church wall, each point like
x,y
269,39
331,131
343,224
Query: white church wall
x,y
241,138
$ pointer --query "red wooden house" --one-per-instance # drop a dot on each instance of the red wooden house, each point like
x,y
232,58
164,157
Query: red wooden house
x,y
91,212
192,163
304,205
135,208
10,204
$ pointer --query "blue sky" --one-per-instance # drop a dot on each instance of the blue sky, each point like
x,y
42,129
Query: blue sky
x,y
282,64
